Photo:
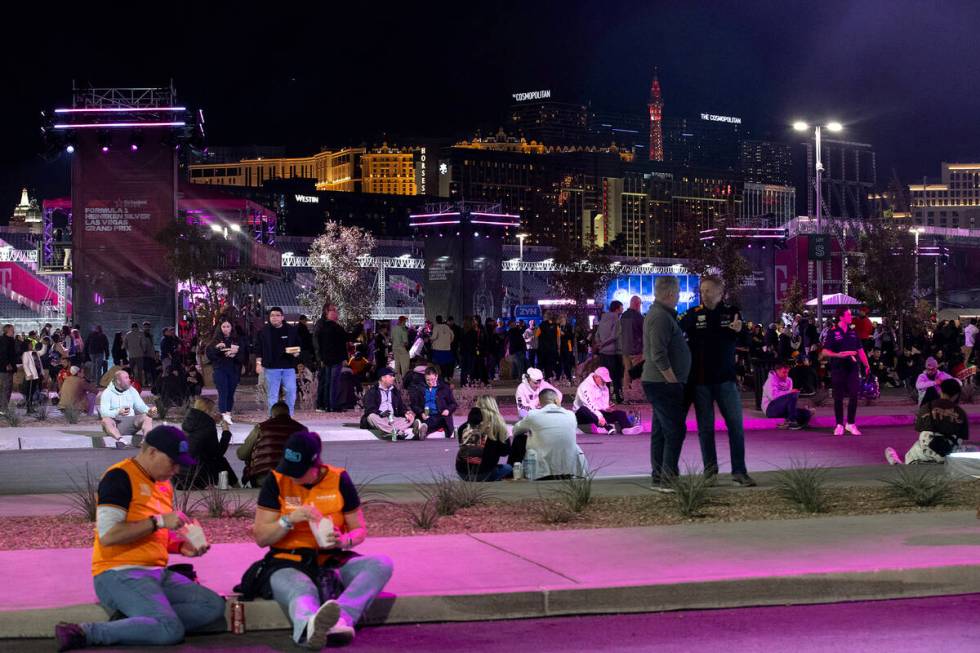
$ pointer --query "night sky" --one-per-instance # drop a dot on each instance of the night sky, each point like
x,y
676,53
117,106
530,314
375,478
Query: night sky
x,y
901,75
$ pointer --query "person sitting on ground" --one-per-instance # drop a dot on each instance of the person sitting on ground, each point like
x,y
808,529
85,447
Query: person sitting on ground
x,y
195,382
415,376
804,376
929,381
385,413
136,528
77,394
942,426
209,451
263,447
322,586
550,432
123,412
529,391
483,441
591,406
779,399
434,404
171,387
359,365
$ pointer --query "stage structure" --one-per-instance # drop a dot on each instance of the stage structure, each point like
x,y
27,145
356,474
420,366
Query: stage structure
x,y
124,144
463,245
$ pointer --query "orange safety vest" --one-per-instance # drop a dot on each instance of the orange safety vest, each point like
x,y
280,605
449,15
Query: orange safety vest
x,y
149,498
325,495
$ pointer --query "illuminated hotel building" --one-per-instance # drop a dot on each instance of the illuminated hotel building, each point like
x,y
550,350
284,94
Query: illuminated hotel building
x,y
954,203
385,170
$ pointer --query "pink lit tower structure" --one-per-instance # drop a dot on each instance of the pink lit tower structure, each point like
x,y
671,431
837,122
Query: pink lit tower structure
x,y
656,120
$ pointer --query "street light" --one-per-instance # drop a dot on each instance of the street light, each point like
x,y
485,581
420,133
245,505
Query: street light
x,y
916,231
520,265
833,126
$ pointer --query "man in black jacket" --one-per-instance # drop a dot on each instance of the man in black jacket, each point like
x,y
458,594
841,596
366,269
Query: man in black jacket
x,y
97,350
8,365
385,413
330,343
276,349
434,404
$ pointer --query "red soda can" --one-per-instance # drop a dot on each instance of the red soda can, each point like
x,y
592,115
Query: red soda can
x,y
237,617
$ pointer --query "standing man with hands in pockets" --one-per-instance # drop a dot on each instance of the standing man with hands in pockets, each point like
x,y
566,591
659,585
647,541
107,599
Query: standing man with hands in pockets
x,y
136,528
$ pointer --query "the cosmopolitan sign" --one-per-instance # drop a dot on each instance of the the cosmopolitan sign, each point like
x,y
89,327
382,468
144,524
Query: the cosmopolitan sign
x,y
713,118
532,95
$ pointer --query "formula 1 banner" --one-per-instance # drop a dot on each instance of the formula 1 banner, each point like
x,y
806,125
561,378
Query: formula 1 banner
x,y
121,199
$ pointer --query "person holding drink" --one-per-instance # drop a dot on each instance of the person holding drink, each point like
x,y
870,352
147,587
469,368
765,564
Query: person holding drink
x,y
227,353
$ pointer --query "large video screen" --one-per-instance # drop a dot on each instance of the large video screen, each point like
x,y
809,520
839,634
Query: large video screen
x,y
641,285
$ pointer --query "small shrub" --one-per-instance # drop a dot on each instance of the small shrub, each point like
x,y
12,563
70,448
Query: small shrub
x,y
367,492
72,415
13,419
216,503
41,412
575,493
692,493
83,498
183,499
423,516
920,486
803,486
552,512
240,506
449,493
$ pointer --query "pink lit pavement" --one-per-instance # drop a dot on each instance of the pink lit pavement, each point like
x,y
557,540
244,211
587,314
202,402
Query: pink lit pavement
x,y
477,577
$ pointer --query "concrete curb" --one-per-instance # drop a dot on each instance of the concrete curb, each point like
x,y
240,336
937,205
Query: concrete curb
x,y
548,602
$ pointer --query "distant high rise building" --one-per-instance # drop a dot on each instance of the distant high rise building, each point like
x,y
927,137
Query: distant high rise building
x,y
625,130
27,212
766,162
656,121
536,117
771,204
954,203
706,141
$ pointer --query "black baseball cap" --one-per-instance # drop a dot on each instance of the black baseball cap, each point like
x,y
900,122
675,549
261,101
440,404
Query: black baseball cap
x,y
386,371
302,452
171,441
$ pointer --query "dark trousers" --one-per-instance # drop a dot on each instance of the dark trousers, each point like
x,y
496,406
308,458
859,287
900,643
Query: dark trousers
x,y
729,402
785,407
667,436
567,365
31,393
6,387
618,418
614,363
518,447
226,381
845,384
467,364
436,422
549,362
328,391
931,394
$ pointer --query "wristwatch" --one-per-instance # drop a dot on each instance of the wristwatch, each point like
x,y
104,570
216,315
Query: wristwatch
x,y
157,521
285,523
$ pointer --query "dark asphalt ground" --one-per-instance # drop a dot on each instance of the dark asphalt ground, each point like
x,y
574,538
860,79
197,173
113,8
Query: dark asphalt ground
x,y
935,625
44,471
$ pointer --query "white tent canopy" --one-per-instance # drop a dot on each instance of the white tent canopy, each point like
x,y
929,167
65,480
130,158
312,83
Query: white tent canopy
x,y
837,299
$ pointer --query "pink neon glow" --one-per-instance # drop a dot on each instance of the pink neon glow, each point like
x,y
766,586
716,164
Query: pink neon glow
x,y
430,224
101,125
496,215
119,109
432,215
499,224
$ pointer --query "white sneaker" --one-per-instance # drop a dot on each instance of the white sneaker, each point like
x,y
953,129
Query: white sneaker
x,y
320,624
422,432
599,430
633,430
610,429
341,634
227,418
853,429
892,457
839,429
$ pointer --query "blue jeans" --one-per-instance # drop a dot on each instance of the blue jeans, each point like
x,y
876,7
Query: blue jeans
x,y
226,381
287,379
667,434
785,407
328,391
730,403
518,364
498,473
364,577
160,607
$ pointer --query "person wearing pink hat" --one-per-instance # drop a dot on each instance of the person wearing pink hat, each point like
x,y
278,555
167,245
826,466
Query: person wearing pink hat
x,y
592,406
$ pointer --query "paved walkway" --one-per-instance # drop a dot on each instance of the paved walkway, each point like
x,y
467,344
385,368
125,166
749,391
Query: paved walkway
x,y
525,574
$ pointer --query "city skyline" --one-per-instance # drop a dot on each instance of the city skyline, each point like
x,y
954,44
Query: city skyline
x,y
858,66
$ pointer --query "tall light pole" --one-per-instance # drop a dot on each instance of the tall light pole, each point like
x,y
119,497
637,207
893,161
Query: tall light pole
x,y
801,126
916,231
520,266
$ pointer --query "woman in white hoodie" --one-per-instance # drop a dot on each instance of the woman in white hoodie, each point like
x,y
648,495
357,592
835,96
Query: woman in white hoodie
x,y
779,399
591,406
529,389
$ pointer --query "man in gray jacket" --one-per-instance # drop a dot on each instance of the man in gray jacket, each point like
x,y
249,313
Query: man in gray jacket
x,y
135,345
666,365
631,343
607,343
